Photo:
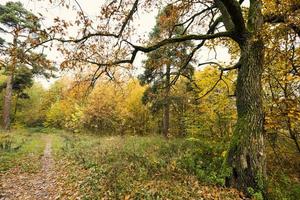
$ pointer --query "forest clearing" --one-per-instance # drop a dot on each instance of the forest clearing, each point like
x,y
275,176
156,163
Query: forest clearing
x,y
114,167
145,99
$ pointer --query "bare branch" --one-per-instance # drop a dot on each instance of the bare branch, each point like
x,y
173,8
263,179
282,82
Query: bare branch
x,y
128,17
82,39
236,66
212,88
222,69
192,18
295,28
191,55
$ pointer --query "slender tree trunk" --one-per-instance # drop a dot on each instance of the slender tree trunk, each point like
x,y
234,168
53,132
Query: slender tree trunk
x,y
166,107
7,102
9,85
166,121
182,127
16,108
246,155
293,135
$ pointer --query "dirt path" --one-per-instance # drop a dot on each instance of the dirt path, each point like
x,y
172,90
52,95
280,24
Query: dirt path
x,y
37,186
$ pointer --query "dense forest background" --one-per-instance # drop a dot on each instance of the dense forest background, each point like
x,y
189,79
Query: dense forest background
x,y
189,112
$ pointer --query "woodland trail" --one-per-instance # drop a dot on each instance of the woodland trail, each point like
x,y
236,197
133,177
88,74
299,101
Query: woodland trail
x,y
16,184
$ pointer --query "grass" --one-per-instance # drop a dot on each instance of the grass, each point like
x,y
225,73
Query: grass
x,y
22,149
151,167
283,170
136,167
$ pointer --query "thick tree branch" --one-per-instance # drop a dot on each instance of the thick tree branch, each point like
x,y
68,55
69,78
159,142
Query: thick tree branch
x,y
140,48
225,15
181,39
234,10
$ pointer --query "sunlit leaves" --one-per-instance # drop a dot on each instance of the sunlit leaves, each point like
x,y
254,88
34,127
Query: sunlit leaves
x,y
213,114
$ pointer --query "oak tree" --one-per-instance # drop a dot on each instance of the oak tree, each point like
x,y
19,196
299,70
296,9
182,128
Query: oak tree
x,y
204,20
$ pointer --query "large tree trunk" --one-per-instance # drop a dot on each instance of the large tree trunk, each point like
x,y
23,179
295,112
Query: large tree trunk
x,y
166,105
247,155
7,102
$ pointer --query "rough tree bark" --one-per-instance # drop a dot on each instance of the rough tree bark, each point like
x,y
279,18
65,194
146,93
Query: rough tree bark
x,y
246,155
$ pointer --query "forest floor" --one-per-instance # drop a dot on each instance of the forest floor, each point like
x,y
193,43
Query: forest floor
x,y
39,165
16,184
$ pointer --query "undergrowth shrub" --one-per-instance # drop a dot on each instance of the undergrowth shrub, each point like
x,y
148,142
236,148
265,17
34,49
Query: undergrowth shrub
x,y
21,148
5,142
128,164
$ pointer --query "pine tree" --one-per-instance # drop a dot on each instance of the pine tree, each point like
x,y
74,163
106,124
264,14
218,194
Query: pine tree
x,y
164,66
25,30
